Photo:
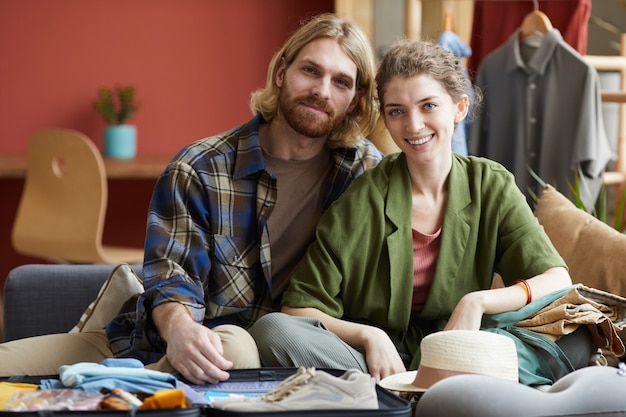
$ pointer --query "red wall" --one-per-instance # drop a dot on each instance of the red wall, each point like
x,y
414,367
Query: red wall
x,y
194,64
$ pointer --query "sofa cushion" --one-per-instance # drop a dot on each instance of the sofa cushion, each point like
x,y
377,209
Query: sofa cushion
x,y
122,284
594,252
50,298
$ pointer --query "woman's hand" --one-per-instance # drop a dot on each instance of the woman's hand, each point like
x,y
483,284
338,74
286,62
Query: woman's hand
x,y
468,313
381,354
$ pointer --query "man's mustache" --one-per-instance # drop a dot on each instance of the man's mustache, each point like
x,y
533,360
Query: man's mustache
x,y
319,104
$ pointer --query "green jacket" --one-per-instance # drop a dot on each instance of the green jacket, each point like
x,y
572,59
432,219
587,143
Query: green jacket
x,y
360,267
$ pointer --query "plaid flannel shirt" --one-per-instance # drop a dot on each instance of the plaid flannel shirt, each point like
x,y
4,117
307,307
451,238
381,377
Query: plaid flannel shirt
x,y
207,243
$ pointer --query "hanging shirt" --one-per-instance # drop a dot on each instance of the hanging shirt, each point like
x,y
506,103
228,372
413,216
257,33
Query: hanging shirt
x,y
453,43
542,110
494,21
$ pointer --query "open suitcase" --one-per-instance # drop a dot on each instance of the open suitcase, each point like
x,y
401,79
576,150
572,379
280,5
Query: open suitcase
x,y
194,411
242,382
259,381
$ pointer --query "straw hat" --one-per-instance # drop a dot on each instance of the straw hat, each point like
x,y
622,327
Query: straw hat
x,y
456,352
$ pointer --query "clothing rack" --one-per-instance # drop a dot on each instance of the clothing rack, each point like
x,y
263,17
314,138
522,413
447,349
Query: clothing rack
x,y
616,63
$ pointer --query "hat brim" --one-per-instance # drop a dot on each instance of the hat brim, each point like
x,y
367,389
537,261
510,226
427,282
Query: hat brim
x,y
402,382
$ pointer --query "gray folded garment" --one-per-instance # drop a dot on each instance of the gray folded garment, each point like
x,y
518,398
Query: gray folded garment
x,y
592,391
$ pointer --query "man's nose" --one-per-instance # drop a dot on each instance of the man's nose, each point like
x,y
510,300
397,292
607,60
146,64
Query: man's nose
x,y
322,87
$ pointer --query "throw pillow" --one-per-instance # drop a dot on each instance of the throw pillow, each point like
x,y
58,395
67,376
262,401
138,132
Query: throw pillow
x,y
121,284
594,252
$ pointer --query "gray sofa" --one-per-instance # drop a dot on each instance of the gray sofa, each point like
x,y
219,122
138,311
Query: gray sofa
x,y
43,299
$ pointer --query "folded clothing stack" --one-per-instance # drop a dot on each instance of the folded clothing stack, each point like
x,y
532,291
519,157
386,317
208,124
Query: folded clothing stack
x,y
127,374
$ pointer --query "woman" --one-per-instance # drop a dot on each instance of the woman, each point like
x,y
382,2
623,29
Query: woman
x,y
413,245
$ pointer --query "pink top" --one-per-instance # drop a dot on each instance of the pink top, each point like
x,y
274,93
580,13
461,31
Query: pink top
x,y
425,253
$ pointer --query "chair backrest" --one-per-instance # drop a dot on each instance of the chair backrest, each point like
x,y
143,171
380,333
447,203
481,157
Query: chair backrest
x,y
61,213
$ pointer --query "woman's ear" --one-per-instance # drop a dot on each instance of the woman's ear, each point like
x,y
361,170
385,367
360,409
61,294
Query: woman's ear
x,y
462,108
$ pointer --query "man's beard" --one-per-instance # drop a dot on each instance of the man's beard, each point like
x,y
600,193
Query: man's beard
x,y
306,122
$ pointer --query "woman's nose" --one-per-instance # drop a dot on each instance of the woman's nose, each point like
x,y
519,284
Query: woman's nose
x,y
414,122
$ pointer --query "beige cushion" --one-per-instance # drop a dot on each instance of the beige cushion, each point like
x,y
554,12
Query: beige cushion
x,y
594,252
122,284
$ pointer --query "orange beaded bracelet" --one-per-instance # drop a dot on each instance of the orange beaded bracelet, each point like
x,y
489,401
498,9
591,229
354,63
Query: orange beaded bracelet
x,y
526,285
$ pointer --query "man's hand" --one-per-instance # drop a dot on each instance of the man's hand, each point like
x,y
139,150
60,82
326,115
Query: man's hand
x,y
192,349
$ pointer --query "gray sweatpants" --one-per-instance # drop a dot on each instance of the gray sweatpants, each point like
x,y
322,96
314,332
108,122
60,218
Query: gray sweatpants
x,y
294,341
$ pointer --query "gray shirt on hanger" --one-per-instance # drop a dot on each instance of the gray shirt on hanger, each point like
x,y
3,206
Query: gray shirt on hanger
x,y
543,111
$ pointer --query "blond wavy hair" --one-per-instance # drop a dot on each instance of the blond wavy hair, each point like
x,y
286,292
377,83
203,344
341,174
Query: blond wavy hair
x,y
360,121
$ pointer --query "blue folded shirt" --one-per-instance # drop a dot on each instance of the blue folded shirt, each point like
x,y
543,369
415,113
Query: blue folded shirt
x,y
125,373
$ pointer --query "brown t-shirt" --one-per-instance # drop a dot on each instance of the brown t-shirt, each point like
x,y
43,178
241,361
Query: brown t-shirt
x,y
302,188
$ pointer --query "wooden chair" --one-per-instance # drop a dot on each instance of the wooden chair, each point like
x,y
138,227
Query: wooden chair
x,y
62,209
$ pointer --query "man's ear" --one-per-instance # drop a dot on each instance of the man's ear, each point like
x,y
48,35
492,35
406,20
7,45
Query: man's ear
x,y
280,73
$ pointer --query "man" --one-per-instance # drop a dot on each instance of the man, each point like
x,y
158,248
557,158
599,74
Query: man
x,y
232,215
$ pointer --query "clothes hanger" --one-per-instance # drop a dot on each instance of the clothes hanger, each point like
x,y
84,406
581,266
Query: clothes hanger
x,y
535,23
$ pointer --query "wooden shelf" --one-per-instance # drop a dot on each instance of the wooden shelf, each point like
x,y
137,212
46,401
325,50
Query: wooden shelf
x,y
140,167
615,63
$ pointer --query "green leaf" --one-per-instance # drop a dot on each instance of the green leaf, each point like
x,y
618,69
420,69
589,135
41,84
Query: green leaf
x,y
116,106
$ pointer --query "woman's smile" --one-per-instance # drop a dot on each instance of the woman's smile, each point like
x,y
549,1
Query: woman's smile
x,y
420,140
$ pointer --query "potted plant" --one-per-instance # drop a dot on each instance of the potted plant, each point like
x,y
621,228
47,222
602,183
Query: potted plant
x,y
117,105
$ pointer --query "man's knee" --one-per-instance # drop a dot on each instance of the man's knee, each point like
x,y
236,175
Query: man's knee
x,y
239,346
43,355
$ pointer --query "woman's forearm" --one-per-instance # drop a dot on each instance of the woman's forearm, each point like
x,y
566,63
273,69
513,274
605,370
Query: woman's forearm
x,y
516,296
355,334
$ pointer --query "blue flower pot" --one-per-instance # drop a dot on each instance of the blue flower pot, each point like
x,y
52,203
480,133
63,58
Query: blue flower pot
x,y
120,141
